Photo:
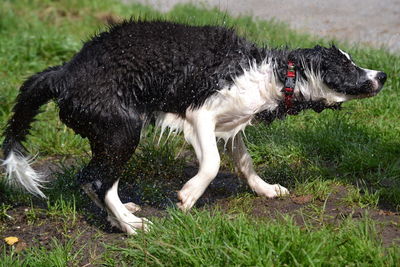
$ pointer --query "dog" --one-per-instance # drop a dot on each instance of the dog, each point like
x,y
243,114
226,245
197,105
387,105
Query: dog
x,y
204,81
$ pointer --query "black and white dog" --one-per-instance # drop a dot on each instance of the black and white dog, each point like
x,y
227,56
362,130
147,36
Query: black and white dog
x,y
205,81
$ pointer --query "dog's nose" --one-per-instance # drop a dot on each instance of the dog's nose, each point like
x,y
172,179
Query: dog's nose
x,y
381,77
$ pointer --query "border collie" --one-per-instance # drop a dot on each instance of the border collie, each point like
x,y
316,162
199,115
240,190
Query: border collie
x,y
206,82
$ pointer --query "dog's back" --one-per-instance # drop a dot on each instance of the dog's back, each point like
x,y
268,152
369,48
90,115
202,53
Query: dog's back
x,y
149,65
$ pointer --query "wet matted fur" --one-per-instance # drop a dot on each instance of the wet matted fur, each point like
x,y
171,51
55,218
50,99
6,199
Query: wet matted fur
x,y
206,82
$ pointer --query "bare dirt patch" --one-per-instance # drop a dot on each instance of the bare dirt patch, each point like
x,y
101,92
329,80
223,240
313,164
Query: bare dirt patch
x,y
44,230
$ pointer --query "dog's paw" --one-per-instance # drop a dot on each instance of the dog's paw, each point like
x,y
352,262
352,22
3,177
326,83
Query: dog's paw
x,y
186,201
132,207
272,191
189,194
280,190
132,226
268,190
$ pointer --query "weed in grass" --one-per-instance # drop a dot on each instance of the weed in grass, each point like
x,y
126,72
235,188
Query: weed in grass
x,y
319,189
66,210
390,198
241,203
32,214
4,208
362,199
317,214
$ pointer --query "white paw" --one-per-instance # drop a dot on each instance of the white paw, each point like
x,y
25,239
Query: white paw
x,y
264,189
189,194
130,227
132,207
280,190
187,200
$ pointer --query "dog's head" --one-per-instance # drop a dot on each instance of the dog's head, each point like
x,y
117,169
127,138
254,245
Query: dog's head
x,y
330,76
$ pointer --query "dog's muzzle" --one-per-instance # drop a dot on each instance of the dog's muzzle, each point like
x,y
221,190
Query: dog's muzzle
x,y
377,79
373,84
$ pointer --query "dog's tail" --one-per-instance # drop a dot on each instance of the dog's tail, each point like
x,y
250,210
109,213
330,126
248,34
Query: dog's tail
x,y
36,91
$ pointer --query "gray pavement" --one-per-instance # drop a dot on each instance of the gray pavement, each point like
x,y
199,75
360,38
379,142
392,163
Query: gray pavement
x,y
368,22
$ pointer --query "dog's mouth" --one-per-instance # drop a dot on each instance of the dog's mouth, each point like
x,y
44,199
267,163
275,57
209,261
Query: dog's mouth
x,y
371,94
370,89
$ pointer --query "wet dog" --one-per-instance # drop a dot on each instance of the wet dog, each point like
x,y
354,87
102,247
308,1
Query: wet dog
x,y
206,82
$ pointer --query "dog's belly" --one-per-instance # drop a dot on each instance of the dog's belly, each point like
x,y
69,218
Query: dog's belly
x,y
227,126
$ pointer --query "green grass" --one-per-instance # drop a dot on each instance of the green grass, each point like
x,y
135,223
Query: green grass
x,y
310,153
61,254
204,239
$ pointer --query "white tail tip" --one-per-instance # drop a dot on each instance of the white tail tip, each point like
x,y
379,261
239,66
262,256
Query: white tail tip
x,y
19,173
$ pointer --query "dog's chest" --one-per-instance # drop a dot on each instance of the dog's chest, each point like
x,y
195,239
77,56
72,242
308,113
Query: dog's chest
x,y
230,110
226,127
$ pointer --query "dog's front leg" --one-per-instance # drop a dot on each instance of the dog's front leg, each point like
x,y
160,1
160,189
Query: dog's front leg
x,y
238,151
199,132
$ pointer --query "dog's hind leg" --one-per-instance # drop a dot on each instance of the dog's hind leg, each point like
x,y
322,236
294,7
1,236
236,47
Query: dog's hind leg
x,y
119,215
111,151
91,192
199,132
238,151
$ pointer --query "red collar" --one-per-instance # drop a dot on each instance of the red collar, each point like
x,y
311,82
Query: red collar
x,y
290,83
